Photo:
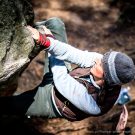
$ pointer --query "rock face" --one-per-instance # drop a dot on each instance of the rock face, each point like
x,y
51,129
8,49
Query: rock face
x,y
16,43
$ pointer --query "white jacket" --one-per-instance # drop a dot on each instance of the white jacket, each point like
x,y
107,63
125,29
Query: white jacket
x,y
71,89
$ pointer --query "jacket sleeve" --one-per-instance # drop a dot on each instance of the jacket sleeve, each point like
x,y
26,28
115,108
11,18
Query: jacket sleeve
x,y
71,89
71,54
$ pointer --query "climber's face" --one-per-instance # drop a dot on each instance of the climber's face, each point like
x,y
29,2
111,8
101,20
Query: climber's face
x,y
97,72
97,69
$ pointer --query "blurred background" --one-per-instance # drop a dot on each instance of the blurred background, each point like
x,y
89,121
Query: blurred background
x,y
94,25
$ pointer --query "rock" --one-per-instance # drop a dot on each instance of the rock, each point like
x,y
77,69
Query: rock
x,y
16,43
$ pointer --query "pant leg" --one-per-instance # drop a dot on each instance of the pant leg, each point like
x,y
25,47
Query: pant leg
x,y
43,104
57,28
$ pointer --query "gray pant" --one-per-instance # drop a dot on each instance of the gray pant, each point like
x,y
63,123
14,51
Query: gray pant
x,y
42,104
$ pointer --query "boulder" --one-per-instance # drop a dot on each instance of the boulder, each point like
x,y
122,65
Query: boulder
x,y
16,43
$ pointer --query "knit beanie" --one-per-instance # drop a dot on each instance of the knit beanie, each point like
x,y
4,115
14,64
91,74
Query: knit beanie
x,y
118,68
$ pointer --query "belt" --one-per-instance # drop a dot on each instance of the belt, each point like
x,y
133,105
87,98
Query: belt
x,y
66,108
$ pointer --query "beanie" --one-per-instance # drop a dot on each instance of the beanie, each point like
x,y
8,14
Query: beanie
x,y
118,68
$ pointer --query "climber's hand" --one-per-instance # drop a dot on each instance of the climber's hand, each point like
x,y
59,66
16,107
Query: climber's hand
x,y
47,31
35,32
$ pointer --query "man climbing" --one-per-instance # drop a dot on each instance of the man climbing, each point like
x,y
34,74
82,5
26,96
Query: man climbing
x,y
90,90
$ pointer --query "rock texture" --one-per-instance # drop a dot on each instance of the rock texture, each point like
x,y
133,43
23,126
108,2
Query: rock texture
x,y
16,43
